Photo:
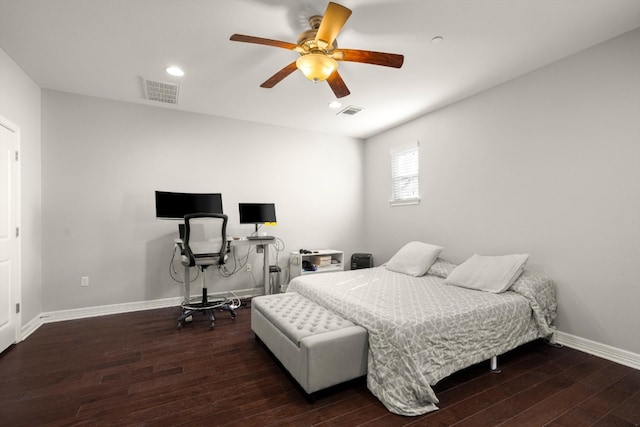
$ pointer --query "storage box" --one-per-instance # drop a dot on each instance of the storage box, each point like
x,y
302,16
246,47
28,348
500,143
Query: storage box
x,y
321,260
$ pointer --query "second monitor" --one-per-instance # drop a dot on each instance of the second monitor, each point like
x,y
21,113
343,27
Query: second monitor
x,y
257,213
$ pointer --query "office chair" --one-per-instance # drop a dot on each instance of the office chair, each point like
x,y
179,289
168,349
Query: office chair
x,y
204,244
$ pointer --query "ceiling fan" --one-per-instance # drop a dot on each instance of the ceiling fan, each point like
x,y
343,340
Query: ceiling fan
x,y
319,51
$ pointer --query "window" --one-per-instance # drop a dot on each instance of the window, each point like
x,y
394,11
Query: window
x,y
404,175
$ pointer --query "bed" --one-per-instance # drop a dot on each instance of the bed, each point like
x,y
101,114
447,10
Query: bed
x,y
422,329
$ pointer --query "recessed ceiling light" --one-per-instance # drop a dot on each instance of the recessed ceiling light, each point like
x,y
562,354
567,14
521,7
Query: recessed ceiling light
x,y
437,39
335,104
175,71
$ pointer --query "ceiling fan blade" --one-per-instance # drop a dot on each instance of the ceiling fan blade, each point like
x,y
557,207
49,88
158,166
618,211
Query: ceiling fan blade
x,y
279,76
338,86
368,57
260,40
332,22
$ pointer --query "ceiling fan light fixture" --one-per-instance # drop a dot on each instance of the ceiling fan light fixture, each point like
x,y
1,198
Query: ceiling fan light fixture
x,y
316,66
319,51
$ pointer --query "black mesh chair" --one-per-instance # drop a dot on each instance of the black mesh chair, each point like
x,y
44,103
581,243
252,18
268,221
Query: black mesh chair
x,y
204,245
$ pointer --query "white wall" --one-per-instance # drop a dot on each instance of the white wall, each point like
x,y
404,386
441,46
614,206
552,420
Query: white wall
x,y
103,160
547,164
20,103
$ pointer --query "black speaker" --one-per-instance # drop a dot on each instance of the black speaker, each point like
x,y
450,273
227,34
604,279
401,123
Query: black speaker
x,y
359,261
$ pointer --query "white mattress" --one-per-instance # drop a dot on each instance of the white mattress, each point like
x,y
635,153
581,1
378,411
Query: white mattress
x,y
421,330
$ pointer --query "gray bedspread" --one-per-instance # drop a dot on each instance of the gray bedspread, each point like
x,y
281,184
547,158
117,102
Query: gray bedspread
x,y
421,330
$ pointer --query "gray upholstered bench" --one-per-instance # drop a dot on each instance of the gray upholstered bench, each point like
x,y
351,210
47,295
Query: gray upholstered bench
x,y
317,347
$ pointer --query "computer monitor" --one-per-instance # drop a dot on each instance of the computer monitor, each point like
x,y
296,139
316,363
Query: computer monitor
x,y
176,205
257,213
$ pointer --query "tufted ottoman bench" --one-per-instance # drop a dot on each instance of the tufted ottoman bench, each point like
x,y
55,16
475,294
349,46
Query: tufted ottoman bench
x,y
317,347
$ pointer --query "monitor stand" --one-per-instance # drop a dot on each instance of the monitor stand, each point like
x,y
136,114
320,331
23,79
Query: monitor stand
x,y
258,237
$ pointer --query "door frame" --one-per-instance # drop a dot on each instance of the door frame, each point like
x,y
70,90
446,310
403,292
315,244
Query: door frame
x,y
16,288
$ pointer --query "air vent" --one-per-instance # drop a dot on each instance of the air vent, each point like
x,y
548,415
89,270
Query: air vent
x,y
350,111
160,91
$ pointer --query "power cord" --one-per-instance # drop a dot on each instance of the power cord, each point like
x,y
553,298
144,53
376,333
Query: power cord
x,y
173,272
238,265
234,304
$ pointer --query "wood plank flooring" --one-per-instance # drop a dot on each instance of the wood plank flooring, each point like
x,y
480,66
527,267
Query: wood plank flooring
x,y
137,369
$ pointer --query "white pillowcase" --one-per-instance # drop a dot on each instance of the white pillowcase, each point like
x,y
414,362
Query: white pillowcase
x,y
488,273
414,258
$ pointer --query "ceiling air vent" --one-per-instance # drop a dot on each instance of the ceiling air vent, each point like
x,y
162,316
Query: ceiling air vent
x,y
350,111
160,91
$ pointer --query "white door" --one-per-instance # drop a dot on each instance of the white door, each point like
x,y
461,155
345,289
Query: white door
x,y
9,241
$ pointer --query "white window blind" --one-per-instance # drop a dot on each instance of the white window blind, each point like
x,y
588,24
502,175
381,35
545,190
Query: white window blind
x,y
405,175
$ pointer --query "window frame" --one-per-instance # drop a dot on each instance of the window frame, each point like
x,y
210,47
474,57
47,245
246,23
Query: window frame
x,y
395,153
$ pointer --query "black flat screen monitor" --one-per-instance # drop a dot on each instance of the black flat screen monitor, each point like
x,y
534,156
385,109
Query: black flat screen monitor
x,y
177,205
257,213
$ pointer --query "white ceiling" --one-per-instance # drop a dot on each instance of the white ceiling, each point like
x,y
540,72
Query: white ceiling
x,y
102,47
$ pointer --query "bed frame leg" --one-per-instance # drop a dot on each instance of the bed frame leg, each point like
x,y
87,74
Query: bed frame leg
x,y
494,365
551,340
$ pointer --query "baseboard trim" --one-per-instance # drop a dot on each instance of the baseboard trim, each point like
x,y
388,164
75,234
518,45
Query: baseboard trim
x,y
30,327
105,310
614,354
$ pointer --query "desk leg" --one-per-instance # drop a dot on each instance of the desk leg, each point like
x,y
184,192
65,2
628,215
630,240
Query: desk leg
x,y
265,270
187,283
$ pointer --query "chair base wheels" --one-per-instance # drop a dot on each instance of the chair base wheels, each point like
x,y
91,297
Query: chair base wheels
x,y
189,309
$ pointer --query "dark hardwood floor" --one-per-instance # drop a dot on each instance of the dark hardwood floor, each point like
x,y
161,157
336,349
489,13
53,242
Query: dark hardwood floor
x,y
137,369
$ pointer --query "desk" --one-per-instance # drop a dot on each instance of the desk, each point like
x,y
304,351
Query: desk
x,y
260,243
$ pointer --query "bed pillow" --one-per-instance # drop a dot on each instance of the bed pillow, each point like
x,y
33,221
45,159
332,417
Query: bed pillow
x,y
488,273
414,258
441,268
